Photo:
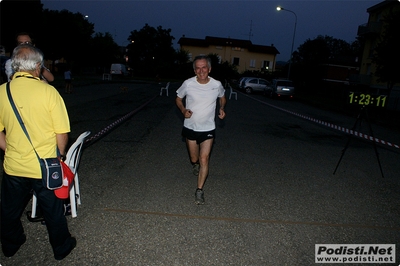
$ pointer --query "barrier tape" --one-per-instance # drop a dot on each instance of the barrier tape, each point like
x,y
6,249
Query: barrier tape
x,y
120,120
343,129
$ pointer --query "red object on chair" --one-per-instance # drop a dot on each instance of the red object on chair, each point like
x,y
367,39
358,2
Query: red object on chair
x,y
68,178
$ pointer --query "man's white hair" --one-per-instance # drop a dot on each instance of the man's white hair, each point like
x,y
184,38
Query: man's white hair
x,y
26,57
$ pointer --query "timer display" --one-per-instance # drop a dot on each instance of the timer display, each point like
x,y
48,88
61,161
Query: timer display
x,y
367,99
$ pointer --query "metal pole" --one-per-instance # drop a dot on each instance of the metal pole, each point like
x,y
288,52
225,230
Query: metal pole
x,y
294,34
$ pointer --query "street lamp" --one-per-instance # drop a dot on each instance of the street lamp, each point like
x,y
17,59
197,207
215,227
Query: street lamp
x,y
279,8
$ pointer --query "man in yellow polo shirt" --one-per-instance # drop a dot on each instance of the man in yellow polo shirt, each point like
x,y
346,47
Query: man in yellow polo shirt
x,y
46,119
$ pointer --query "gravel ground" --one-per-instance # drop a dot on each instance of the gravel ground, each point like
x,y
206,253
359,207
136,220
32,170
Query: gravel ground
x,y
270,195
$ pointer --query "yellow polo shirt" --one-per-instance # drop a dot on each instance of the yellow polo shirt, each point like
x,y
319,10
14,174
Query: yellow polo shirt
x,y
44,114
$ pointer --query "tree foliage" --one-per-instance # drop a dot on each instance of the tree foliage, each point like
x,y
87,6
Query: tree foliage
x,y
19,16
387,52
326,49
181,57
222,70
150,51
312,54
71,35
104,51
59,34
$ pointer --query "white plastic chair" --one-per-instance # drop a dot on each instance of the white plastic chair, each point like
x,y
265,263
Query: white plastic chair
x,y
72,160
232,93
106,76
164,88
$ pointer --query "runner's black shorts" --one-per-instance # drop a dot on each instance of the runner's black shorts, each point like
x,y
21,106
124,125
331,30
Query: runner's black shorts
x,y
199,137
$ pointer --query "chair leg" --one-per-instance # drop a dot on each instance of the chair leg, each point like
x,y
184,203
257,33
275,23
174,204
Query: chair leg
x,y
74,196
166,91
72,201
32,215
34,204
77,189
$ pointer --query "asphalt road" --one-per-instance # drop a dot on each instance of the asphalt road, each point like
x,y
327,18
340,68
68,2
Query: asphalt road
x,y
271,195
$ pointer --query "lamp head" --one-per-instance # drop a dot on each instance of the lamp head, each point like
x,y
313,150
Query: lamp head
x,y
279,8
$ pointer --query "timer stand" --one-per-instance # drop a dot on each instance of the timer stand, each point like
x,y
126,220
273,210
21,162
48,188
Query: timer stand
x,y
358,121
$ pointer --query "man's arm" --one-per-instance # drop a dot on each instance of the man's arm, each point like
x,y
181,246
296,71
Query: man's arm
x,y
47,75
2,141
186,112
222,102
62,142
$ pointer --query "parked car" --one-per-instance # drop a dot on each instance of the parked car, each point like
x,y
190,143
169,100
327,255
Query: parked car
x,y
118,69
280,87
241,79
251,85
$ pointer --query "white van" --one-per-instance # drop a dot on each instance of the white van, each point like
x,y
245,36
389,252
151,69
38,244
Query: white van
x,y
118,69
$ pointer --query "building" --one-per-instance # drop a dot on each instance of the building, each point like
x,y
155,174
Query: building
x,y
340,74
371,33
242,53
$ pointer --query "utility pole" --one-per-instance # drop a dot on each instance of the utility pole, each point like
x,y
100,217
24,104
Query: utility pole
x,y
251,30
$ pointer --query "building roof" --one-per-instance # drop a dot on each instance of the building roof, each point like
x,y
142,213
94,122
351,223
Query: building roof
x,y
192,42
383,4
217,41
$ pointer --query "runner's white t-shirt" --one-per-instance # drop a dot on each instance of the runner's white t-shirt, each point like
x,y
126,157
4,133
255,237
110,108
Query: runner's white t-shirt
x,y
201,100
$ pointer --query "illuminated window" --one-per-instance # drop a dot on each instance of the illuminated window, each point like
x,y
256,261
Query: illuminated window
x,y
252,63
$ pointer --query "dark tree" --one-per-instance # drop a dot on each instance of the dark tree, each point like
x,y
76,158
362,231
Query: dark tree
x,y
150,51
181,57
19,16
312,54
69,36
313,51
104,51
61,35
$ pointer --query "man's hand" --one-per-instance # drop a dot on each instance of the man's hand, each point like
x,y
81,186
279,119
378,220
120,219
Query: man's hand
x,y
222,103
187,113
221,113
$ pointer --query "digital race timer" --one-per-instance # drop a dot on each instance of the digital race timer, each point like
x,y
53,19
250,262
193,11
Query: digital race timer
x,y
367,99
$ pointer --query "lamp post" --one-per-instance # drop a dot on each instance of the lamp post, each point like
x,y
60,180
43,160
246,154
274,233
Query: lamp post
x,y
279,8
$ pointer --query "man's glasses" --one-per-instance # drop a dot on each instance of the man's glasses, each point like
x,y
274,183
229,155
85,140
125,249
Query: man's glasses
x,y
21,43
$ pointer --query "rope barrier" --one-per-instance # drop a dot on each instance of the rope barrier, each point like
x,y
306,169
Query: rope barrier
x,y
321,122
339,128
120,120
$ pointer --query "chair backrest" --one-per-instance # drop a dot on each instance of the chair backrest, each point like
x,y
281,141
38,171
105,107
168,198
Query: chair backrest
x,y
74,152
167,86
231,89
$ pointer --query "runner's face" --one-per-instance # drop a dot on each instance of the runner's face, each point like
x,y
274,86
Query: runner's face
x,y
24,39
201,70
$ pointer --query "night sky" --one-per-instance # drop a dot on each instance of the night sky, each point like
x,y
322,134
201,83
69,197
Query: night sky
x,y
258,21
